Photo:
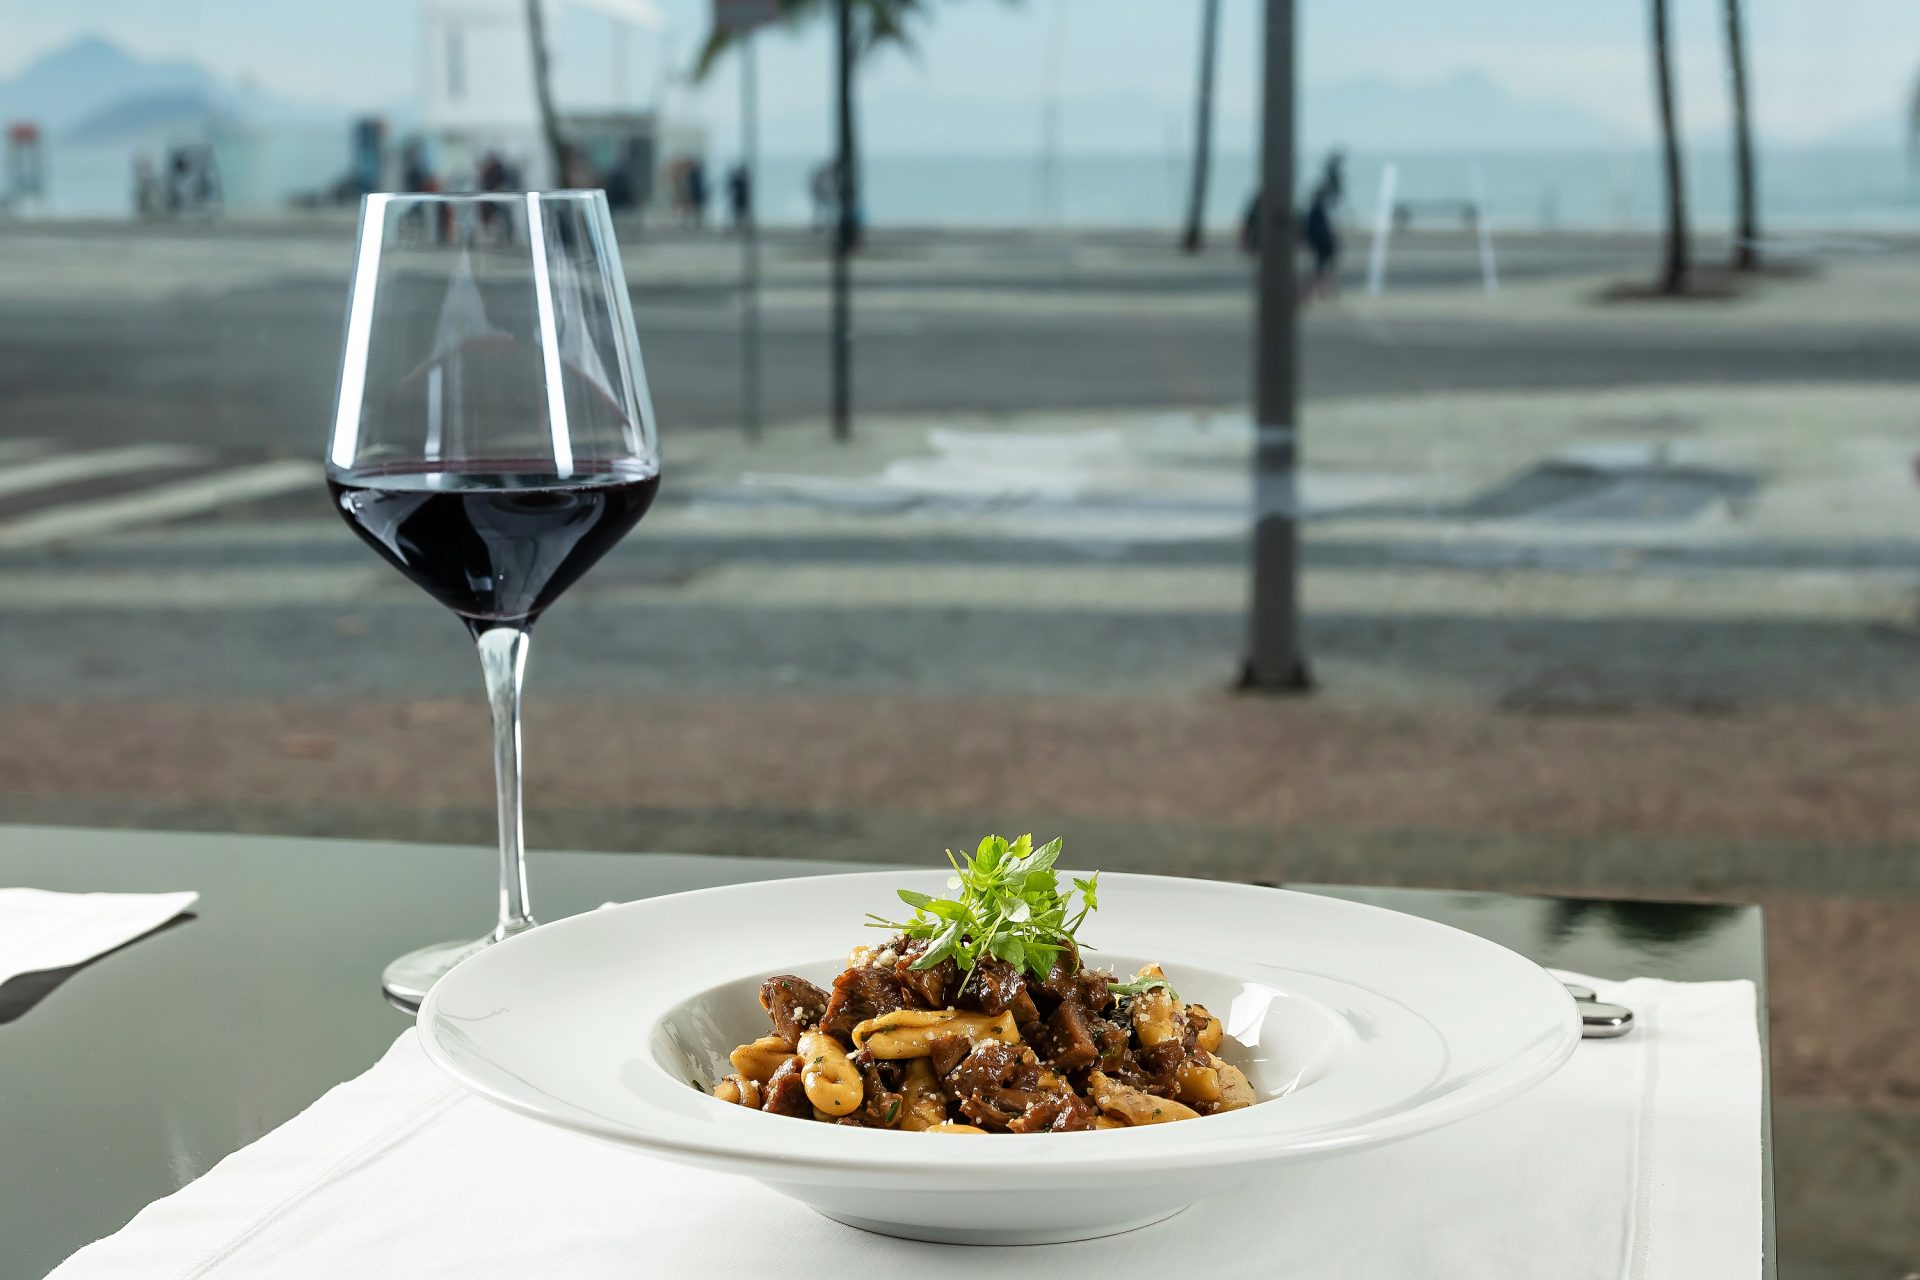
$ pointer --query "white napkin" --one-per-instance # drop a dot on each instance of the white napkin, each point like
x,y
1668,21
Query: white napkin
x,y
1639,1160
44,930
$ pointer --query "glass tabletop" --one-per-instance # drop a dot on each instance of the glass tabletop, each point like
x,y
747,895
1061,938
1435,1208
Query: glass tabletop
x,y
125,1079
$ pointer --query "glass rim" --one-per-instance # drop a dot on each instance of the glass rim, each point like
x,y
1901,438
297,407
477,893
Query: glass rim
x,y
482,197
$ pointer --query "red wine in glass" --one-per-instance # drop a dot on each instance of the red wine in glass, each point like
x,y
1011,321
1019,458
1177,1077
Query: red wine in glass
x,y
496,541
492,439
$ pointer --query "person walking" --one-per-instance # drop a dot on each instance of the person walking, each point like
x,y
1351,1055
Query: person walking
x,y
697,192
739,196
1321,234
823,185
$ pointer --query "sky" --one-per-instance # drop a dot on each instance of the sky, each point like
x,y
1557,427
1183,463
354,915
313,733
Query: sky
x,y
1817,66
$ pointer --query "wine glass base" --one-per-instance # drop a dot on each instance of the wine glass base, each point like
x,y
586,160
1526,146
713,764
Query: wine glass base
x,y
407,979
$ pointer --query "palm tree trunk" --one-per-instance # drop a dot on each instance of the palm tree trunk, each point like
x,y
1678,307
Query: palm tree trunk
x,y
1673,273
543,94
1202,130
1746,226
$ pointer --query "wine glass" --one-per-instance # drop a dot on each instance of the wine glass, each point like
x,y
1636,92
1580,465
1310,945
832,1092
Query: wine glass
x,y
492,439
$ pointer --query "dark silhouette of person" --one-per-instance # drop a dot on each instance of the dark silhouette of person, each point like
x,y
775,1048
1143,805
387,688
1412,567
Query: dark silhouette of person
x,y
415,174
493,178
697,192
1317,229
739,195
823,185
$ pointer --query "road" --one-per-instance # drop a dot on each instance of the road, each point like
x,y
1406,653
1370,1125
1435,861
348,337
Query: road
x,y
230,339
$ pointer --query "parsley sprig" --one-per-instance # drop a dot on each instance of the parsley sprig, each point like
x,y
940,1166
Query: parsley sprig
x,y
1008,904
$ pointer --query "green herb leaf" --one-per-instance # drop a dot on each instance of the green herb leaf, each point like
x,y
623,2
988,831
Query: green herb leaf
x,y
1137,985
893,1109
1007,903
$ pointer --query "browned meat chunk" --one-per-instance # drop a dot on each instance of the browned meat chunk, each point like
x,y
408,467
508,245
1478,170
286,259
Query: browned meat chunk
x,y
786,1094
1004,1087
1159,1064
1112,1039
1092,986
1059,982
925,988
1054,1111
996,1109
993,1083
793,1004
1088,987
992,987
883,1102
1025,1015
994,1064
947,1052
859,994
1067,1039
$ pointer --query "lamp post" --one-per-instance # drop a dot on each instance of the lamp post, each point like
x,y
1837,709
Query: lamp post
x,y
1274,661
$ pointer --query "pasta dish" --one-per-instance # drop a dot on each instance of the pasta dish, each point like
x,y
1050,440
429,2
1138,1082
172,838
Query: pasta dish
x,y
978,1015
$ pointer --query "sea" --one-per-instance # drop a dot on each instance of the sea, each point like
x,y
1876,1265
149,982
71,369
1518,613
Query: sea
x,y
1801,188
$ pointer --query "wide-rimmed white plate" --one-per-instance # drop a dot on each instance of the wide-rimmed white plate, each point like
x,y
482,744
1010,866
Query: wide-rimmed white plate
x,y
1357,1025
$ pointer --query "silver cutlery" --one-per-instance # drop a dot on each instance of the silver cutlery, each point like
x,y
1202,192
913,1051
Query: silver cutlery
x,y
1599,1021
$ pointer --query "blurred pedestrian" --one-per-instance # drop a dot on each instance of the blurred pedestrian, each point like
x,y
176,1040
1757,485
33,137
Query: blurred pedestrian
x,y
493,173
493,178
697,192
1321,233
739,196
146,199
824,188
415,174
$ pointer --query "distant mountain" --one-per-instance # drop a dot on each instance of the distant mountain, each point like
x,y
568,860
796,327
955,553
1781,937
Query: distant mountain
x,y
144,116
60,88
96,91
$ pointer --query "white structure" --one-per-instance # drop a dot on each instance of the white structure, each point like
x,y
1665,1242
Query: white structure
x,y
476,75
1391,211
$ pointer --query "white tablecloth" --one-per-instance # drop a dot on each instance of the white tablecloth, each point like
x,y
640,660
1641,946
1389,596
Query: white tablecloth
x,y
1639,1160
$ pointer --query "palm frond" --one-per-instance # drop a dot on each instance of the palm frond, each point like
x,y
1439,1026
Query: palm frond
x,y
876,24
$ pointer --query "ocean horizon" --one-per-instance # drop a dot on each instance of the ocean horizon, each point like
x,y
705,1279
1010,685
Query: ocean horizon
x,y
1808,188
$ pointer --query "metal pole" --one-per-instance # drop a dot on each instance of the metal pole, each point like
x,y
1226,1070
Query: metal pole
x,y
843,233
1382,230
1274,661
1483,225
749,241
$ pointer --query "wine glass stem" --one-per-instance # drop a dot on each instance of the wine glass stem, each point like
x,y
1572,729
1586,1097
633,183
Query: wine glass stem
x,y
503,658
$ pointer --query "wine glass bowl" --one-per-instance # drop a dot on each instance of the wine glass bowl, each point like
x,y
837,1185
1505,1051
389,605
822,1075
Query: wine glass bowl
x,y
492,437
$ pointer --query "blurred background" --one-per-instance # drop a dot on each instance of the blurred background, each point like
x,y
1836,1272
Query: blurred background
x,y
1609,484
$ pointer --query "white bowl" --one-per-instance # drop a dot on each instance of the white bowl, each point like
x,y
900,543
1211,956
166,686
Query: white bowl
x,y
1357,1026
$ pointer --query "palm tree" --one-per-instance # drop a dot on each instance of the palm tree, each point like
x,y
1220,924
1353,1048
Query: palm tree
x,y
876,24
1746,244
1202,129
863,26
543,93
1673,274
